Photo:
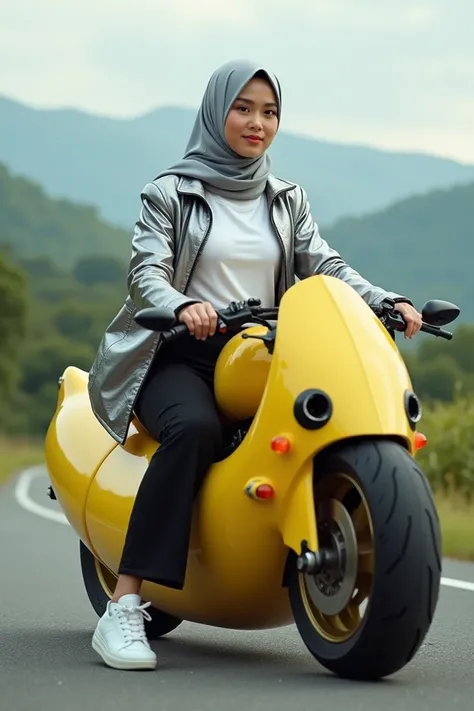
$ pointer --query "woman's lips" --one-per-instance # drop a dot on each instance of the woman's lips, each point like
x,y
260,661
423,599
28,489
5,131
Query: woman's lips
x,y
253,139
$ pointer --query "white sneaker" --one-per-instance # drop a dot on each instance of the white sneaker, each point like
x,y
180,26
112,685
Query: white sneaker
x,y
120,636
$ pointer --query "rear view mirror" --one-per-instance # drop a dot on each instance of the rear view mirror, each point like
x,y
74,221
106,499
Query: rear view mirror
x,y
439,313
155,319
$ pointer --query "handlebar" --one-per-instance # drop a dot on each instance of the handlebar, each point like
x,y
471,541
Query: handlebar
x,y
394,320
436,331
223,324
233,318
237,314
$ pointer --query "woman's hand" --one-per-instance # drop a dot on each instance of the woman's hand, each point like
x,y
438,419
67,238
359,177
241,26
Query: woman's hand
x,y
412,318
201,320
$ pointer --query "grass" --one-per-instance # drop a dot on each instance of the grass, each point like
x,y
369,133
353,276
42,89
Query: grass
x,y
457,517
17,454
457,527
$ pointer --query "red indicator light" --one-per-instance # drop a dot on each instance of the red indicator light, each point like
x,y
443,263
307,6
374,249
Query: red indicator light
x,y
420,441
264,491
281,445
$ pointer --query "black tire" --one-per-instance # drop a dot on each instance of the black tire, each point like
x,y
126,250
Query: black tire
x,y
99,593
405,562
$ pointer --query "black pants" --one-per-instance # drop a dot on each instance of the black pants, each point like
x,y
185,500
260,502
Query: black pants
x,y
177,406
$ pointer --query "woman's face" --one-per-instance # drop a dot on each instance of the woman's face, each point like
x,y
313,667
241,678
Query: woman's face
x,y
252,121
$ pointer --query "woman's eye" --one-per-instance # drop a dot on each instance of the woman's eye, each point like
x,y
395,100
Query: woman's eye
x,y
242,108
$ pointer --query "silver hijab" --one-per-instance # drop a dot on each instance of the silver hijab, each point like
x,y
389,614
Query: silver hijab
x,y
208,157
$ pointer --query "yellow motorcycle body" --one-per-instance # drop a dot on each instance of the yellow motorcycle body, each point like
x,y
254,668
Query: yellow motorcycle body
x,y
257,511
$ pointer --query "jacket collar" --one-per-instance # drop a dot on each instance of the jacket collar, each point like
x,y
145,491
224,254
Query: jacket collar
x,y
275,186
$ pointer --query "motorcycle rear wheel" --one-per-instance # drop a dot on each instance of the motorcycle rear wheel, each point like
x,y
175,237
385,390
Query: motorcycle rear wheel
x,y
377,517
99,583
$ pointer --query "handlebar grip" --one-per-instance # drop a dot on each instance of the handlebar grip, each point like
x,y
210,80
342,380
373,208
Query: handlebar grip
x,y
174,333
436,331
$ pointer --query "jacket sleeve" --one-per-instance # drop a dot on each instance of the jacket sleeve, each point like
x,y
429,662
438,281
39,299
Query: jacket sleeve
x,y
313,256
151,269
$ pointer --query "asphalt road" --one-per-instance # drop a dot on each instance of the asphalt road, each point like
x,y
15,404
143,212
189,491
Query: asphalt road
x,y
46,661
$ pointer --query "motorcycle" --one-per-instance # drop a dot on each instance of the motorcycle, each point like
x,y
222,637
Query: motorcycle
x,y
315,513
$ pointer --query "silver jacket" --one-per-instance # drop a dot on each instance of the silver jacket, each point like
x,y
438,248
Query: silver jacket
x,y
169,237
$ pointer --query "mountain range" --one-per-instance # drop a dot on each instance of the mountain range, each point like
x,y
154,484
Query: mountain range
x,y
105,162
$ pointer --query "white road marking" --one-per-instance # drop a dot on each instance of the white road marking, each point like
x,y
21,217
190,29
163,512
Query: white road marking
x,y
23,498
459,584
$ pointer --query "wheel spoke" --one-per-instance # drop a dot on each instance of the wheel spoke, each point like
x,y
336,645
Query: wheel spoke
x,y
361,521
359,517
350,617
365,562
364,582
337,623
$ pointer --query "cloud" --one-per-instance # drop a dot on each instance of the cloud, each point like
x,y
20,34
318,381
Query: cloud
x,y
396,73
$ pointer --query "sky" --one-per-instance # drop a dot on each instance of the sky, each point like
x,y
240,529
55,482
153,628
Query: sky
x,y
395,74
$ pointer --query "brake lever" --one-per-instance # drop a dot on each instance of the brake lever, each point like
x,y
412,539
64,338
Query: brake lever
x,y
394,320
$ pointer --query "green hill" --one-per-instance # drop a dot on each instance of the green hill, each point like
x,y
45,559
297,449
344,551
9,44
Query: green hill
x,y
106,162
422,246
35,225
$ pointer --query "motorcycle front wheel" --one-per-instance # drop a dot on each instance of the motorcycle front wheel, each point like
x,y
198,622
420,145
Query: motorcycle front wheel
x,y
365,614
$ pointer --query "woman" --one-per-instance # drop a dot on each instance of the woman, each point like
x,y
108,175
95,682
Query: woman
x,y
214,228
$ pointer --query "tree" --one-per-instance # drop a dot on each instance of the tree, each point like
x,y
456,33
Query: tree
x,y
44,362
437,379
460,349
100,270
13,315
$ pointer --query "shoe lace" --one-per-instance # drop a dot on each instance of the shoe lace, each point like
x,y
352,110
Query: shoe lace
x,y
131,622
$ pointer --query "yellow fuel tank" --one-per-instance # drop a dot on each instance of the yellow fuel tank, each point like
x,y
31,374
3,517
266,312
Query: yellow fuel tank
x,y
241,375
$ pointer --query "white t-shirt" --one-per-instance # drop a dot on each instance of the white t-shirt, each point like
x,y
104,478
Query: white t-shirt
x,y
242,256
